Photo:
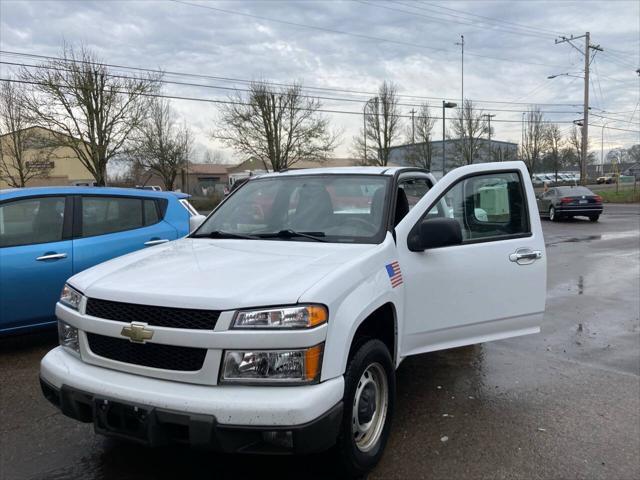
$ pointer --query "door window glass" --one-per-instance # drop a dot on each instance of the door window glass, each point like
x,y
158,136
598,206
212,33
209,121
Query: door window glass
x,y
102,215
150,212
486,206
414,189
30,221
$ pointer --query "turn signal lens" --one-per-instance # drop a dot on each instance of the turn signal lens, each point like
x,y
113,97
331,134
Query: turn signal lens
x,y
304,316
68,337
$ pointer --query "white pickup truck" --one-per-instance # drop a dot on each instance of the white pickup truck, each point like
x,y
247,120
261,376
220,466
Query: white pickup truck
x,y
277,324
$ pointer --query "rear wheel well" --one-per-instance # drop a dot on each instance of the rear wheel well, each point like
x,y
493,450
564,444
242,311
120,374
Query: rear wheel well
x,y
380,324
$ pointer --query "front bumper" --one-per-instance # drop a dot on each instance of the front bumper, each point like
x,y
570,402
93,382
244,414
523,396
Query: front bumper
x,y
227,418
157,426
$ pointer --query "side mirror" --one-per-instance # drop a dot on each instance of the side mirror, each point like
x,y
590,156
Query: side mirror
x,y
435,233
195,221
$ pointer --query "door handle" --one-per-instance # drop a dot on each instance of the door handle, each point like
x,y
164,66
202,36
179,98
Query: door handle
x,y
155,242
524,256
52,256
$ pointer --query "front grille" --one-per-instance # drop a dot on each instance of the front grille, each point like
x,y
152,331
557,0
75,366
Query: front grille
x,y
156,355
153,315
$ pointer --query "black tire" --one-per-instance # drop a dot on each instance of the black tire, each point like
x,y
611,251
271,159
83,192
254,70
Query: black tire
x,y
594,218
354,461
553,216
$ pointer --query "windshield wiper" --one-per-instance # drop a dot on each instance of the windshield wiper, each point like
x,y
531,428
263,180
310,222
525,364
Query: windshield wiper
x,y
221,234
288,233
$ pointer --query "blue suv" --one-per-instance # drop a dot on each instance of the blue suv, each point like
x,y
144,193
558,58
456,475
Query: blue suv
x,y
49,234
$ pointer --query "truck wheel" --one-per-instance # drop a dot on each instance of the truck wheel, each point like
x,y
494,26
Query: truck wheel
x,y
370,389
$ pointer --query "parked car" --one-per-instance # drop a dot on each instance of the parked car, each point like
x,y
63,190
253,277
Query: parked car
x,y
608,178
566,202
49,234
277,326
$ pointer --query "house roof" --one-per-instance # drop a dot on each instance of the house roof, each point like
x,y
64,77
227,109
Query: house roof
x,y
208,169
253,164
43,129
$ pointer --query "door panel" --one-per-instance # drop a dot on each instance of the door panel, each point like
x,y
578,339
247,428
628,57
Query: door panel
x,y
35,260
490,286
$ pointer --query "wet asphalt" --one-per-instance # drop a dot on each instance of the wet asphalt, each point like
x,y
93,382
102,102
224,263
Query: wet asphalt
x,y
564,404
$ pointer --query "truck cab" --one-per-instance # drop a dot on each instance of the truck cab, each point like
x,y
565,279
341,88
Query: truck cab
x,y
278,324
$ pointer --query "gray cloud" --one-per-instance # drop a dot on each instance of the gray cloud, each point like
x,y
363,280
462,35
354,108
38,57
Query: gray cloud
x,y
183,38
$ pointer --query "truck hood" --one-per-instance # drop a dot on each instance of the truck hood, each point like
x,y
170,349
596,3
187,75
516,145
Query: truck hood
x,y
216,274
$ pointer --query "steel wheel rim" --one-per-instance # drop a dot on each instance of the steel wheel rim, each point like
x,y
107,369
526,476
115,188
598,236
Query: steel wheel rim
x,y
367,432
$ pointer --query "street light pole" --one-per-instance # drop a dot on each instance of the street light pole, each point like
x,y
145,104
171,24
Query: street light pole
x,y
489,117
602,149
444,139
461,43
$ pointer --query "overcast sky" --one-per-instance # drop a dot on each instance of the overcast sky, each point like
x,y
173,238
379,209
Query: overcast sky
x,y
355,45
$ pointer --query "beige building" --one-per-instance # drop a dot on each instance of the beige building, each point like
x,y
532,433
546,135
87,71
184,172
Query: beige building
x,y
55,165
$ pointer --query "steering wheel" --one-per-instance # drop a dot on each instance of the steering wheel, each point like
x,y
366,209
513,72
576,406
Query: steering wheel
x,y
361,222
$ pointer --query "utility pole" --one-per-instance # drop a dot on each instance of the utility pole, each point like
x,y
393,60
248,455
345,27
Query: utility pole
x,y
489,117
413,126
585,120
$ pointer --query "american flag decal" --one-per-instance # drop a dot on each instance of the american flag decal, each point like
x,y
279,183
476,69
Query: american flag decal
x,y
395,275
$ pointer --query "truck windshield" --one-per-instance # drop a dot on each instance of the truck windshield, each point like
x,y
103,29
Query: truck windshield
x,y
327,208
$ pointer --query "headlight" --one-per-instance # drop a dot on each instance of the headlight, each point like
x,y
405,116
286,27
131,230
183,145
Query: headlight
x,y
304,316
68,337
70,297
273,366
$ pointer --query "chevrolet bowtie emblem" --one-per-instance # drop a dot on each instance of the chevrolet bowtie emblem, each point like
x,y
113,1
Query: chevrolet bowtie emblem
x,y
137,332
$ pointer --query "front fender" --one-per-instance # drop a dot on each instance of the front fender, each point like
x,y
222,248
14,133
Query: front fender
x,y
352,293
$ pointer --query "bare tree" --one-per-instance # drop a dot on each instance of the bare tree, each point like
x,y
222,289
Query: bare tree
x,y
278,127
469,126
535,138
161,145
421,137
93,111
575,141
500,153
211,155
24,151
554,146
381,127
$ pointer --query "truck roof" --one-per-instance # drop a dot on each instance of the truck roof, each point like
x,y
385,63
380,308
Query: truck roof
x,y
389,171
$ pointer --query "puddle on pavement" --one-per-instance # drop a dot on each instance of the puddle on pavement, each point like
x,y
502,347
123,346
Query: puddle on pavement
x,y
589,238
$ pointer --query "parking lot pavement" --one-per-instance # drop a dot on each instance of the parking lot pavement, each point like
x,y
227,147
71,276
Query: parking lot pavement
x,y
561,404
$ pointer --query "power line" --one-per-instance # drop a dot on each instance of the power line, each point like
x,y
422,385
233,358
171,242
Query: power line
x,y
232,102
444,20
246,81
236,89
551,33
358,35
616,119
